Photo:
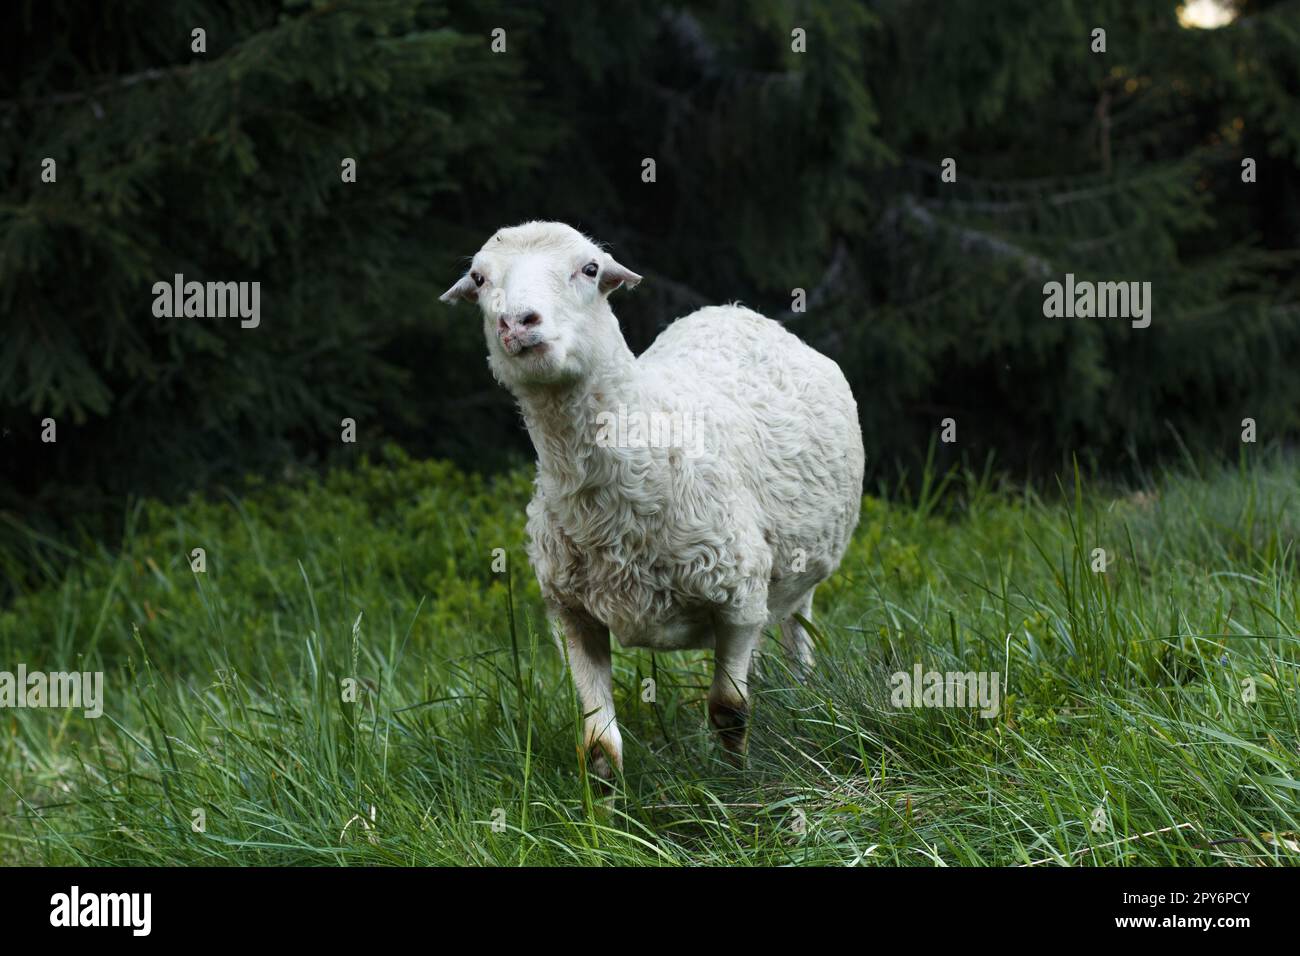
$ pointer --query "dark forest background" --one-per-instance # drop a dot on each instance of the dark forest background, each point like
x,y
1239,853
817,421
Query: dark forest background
x,y
776,170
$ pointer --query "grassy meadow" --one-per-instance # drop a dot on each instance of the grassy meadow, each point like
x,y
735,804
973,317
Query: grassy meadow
x,y
1150,714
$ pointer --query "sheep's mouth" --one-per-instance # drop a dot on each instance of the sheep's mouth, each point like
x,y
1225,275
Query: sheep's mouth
x,y
537,348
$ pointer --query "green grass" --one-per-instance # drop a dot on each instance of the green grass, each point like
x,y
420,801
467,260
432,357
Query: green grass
x,y
224,689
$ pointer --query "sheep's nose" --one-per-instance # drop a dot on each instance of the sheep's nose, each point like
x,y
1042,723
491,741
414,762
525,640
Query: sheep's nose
x,y
525,319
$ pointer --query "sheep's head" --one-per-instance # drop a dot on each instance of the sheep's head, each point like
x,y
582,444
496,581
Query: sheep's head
x,y
543,289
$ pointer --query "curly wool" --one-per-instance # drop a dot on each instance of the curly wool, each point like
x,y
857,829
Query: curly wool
x,y
648,538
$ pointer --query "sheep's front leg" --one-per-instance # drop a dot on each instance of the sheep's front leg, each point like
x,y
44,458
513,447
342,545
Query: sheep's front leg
x,y
734,646
587,647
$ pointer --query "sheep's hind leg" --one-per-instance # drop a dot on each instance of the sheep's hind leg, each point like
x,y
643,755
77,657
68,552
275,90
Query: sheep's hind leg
x,y
587,646
796,641
734,646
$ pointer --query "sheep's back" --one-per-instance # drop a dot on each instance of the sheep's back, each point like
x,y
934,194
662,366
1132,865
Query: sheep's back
x,y
780,413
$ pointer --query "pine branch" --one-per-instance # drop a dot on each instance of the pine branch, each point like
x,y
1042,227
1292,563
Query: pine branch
x,y
835,278
151,75
971,240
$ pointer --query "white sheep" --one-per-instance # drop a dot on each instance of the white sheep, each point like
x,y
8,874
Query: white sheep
x,y
688,498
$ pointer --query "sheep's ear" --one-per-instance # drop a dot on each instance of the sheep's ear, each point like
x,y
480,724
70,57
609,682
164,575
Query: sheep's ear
x,y
463,289
614,275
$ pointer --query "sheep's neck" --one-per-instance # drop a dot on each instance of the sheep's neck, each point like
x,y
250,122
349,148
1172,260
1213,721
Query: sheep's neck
x,y
564,425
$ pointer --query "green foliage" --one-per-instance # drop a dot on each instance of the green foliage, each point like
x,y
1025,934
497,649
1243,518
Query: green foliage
x,y
226,165
776,170
1117,166
877,545
224,690
417,527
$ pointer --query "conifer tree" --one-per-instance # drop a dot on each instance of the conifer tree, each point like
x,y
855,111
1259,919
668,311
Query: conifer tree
x,y
796,157
210,140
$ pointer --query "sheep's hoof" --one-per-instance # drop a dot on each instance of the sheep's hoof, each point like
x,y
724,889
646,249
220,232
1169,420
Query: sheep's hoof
x,y
732,725
602,769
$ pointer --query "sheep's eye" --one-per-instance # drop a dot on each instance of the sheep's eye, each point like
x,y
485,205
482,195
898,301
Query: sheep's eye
x,y
477,277
590,270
